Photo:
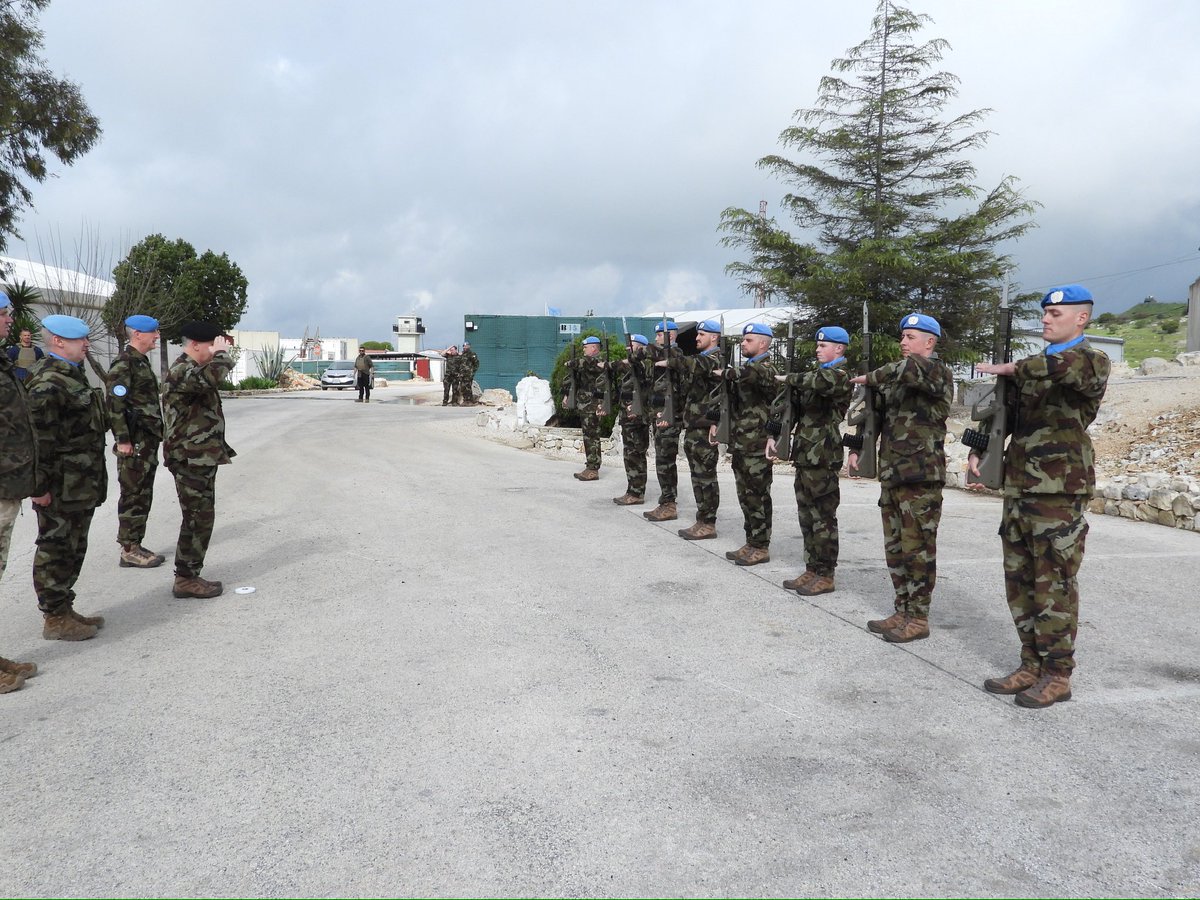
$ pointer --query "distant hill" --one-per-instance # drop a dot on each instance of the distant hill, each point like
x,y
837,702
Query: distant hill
x,y
1149,329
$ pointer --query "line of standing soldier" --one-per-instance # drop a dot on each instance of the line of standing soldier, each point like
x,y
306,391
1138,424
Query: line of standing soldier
x,y
1048,463
53,431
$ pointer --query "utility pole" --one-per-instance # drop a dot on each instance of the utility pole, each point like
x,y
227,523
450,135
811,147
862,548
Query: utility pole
x,y
760,293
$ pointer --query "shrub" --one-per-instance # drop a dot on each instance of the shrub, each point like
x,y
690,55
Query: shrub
x,y
1169,326
255,383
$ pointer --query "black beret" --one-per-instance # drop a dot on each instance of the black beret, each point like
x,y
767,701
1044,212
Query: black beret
x,y
200,331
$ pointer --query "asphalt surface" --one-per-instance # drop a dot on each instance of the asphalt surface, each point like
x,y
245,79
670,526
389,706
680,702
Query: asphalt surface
x,y
464,672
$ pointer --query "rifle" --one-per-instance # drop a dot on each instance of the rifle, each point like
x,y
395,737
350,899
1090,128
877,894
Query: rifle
x,y
989,407
866,439
783,444
570,402
606,373
668,402
637,405
728,398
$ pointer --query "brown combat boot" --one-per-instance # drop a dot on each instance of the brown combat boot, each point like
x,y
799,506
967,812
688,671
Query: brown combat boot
x,y
794,584
911,629
10,682
65,627
195,586
664,512
96,622
588,475
753,557
1048,690
25,670
701,531
628,499
738,553
821,584
879,626
1014,682
135,556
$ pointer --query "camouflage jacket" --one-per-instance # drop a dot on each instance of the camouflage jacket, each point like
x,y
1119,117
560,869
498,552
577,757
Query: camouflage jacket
x,y
913,401
754,389
702,390
18,443
632,379
820,399
1056,398
469,362
69,420
195,424
134,411
666,382
589,386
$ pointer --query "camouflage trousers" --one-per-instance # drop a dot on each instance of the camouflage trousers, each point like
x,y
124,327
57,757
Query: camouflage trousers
x,y
911,514
753,473
9,510
1043,539
447,387
591,426
62,543
635,443
135,474
818,493
197,490
666,463
702,459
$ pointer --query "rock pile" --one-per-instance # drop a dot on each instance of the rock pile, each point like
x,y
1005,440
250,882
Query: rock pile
x,y
1168,500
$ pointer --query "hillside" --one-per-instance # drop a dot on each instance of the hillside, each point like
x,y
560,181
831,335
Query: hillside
x,y
1149,329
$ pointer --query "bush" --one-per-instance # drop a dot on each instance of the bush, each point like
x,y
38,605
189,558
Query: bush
x,y
227,385
1169,326
1106,319
255,383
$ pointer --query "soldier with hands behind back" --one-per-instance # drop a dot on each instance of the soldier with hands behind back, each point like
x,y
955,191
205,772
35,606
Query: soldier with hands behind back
x,y
913,400
194,446
135,417
1049,474
819,399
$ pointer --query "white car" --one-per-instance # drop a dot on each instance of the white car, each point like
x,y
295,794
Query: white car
x,y
340,374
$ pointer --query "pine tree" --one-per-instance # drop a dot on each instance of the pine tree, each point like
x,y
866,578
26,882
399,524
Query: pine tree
x,y
885,184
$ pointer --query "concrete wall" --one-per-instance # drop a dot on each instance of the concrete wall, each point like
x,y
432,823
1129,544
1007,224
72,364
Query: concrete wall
x,y
1193,331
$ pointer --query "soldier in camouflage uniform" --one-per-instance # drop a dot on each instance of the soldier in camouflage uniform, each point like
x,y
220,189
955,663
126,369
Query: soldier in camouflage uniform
x,y
590,373
1049,475
752,388
72,480
635,422
819,399
194,446
449,373
18,457
666,403
912,399
468,365
702,399
135,417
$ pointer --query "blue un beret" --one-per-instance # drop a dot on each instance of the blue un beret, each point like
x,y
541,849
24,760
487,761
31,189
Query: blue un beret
x,y
758,328
142,323
4,301
833,335
712,326
671,326
640,339
1067,295
921,322
67,327
588,340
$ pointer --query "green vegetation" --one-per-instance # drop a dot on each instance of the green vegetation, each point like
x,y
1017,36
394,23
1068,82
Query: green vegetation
x,y
256,383
375,345
1149,329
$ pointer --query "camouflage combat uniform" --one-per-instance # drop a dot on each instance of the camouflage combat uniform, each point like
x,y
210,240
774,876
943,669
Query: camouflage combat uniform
x,y
1049,475
635,427
589,393
449,377
702,399
820,399
468,365
18,452
913,400
194,445
665,382
69,420
754,389
135,417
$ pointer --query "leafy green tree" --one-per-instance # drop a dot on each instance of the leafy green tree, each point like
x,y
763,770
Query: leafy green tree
x,y
375,345
884,187
569,418
39,113
23,296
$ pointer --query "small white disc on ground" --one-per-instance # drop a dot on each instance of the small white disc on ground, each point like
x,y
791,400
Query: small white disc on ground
x,y
243,590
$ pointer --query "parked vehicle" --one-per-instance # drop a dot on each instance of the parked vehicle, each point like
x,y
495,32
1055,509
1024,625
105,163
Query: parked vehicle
x,y
340,375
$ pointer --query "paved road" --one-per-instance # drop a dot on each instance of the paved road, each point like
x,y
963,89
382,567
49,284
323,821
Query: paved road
x,y
464,672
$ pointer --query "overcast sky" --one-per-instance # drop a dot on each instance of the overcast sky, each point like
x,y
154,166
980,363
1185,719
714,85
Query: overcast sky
x,y
362,160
